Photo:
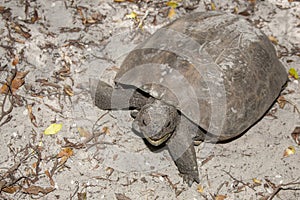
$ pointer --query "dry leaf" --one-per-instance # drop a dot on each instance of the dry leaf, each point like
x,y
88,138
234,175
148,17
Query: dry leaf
x,y
296,135
50,178
10,189
213,6
15,61
31,116
172,4
289,151
105,130
120,196
256,181
273,40
35,190
132,15
200,189
220,197
65,152
293,73
83,132
235,10
16,83
171,13
81,196
281,102
68,90
53,129
35,17
18,29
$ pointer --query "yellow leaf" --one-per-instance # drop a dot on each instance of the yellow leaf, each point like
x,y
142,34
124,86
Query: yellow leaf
x,y
235,10
53,129
200,189
172,4
256,181
213,6
289,151
273,40
132,15
293,73
171,12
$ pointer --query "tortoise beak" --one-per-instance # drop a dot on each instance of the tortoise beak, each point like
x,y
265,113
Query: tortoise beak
x,y
157,142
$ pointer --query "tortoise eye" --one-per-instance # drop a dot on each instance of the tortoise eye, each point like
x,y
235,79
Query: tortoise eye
x,y
169,124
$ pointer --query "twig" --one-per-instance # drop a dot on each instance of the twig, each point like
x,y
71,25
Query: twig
x,y
239,181
8,97
283,187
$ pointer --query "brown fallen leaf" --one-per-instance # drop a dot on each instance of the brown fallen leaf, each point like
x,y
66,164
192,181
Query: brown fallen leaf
x,y
120,196
296,135
105,130
68,152
68,90
281,102
64,155
2,8
35,17
220,197
50,178
35,190
15,61
81,196
16,83
18,29
11,189
83,132
31,116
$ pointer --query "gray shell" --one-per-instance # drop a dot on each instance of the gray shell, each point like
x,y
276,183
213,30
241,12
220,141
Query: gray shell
x,y
217,69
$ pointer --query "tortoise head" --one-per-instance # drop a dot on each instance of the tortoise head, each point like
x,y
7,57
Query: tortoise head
x,y
157,122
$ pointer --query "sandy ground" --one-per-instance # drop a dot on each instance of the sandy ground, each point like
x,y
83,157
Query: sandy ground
x,y
65,44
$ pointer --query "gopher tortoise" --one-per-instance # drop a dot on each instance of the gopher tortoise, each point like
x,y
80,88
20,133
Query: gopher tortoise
x,y
207,76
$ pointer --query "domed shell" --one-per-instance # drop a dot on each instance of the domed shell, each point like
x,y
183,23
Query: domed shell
x,y
216,68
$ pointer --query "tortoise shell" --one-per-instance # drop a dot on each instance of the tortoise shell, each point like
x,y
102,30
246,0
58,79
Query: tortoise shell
x,y
216,68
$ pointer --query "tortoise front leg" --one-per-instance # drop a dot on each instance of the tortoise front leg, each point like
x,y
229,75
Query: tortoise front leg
x,y
181,148
108,98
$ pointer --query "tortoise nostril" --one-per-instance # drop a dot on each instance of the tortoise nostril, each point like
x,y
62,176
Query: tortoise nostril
x,y
144,122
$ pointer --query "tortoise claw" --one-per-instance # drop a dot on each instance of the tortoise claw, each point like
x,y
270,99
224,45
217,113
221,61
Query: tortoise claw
x,y
190,178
